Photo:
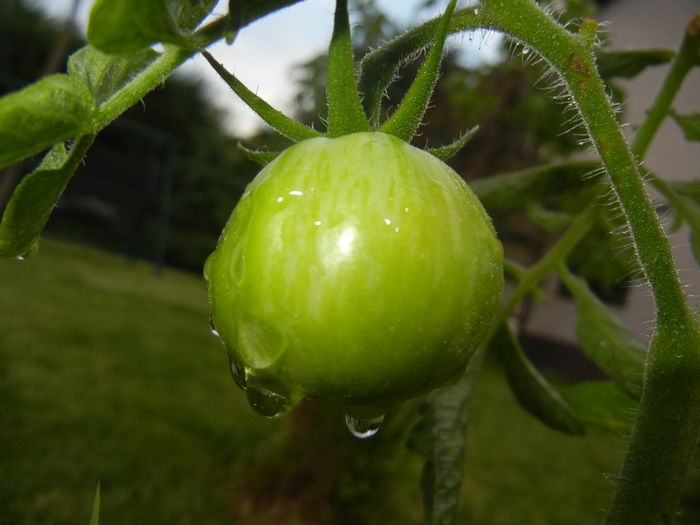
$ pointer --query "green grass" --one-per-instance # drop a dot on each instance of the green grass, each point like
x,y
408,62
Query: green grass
x,y
109,373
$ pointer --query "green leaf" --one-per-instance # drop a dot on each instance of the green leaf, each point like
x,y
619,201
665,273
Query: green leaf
x,y
690,124
440,437
261,157
605,340
35,198
95,515
52,110
282,123
404,122
445,153
104,75
534,393
601,404
628,64
689,188
188,14
547,219
243,12
515,190
345,113
127,26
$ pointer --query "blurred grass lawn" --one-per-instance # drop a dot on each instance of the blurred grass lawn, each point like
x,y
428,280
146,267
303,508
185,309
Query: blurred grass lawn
x,y
109,373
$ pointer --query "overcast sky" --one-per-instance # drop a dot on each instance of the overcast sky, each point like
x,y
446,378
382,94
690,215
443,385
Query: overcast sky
x,y
263,55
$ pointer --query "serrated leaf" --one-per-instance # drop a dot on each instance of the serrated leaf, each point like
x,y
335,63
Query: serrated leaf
x,y
690,124
95,515
515,190
534,393
628,64
127,26
605,340
35,197
52,110
104,75
440,437
601,404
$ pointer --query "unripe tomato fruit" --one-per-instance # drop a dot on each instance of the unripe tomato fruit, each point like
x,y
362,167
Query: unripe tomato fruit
x,y
357,269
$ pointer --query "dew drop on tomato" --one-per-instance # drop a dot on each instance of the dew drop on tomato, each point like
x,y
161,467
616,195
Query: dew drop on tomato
x,y
363,428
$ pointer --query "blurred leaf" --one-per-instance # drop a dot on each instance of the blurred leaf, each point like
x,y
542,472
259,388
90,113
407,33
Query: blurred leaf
x,y
605,340
517,189
547,219
534,393
628,64
689,188
684,198
440,437
690,124
52,110
35,198
243,12
103,74
601,404
126,26
95,515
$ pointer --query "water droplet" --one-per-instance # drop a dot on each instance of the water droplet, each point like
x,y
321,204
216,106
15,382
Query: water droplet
x,y
31,252
363,428
526,50
239,374
266,402
212,327
387,221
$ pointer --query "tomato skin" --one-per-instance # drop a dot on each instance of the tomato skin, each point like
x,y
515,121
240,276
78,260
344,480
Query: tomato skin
x,y
357,269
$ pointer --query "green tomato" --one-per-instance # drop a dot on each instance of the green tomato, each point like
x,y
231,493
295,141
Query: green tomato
x,y
357,269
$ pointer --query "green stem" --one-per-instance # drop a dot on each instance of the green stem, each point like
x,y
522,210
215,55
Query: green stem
x,y
345,113
684,61
550,260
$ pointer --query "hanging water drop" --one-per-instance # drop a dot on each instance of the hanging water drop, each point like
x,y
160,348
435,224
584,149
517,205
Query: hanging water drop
x,y
266,402
239,374
212,328
30,252
363,428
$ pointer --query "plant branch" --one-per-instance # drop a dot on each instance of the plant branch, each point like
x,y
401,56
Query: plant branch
x,y
688,56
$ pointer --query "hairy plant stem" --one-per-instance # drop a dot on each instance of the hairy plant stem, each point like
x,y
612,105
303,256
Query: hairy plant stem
x,y
665,434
